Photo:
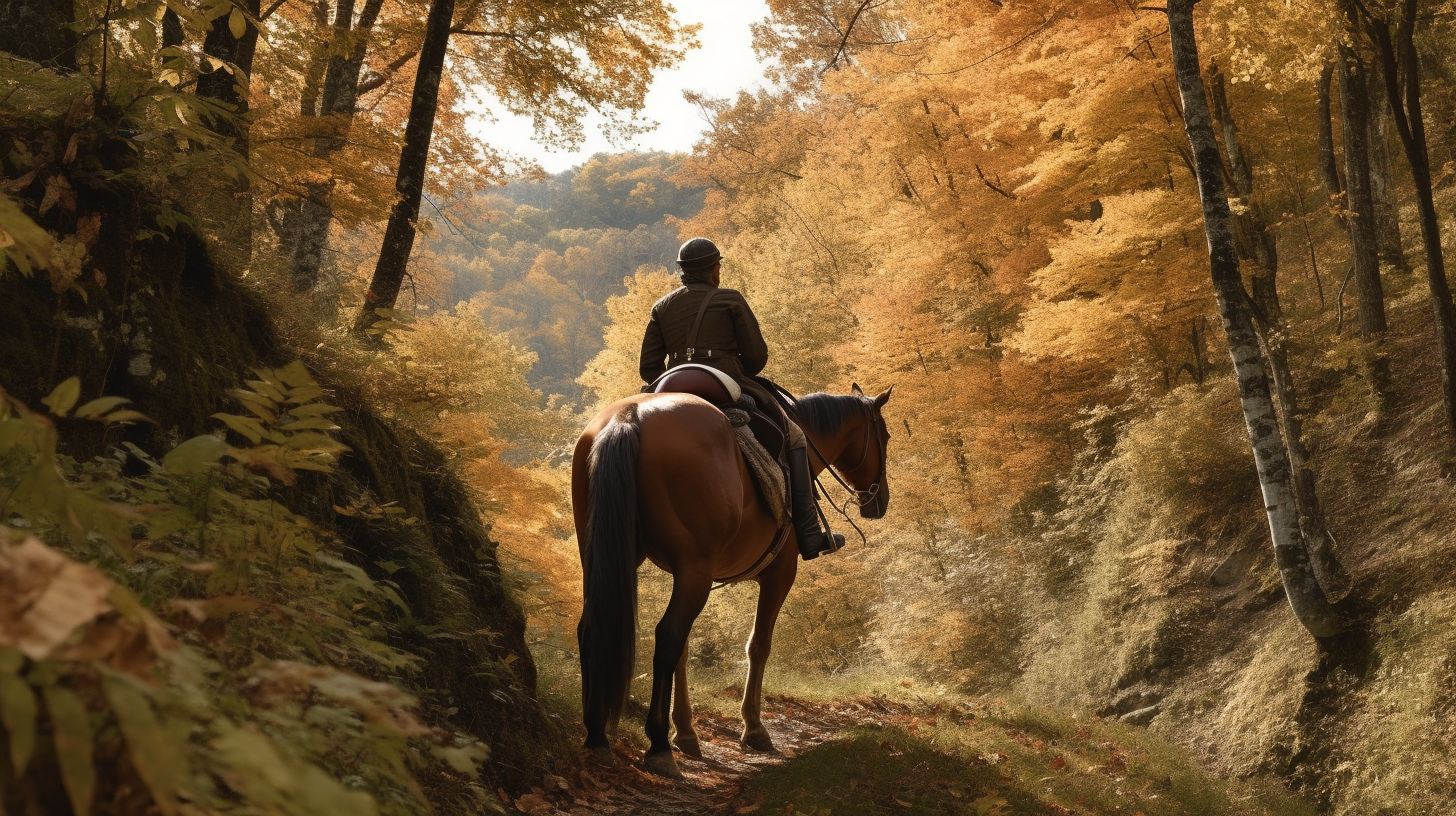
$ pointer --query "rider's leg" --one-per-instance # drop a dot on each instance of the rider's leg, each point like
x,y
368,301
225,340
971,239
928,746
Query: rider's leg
x,y
804,508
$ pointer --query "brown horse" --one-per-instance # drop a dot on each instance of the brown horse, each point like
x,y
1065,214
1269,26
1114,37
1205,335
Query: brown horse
x,y
660,477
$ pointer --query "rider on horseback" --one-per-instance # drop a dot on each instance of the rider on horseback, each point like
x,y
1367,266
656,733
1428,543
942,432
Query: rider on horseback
x,y
728,339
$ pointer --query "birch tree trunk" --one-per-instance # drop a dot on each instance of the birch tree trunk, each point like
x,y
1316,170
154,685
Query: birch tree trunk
x,y
1255,238
399,234
1306,598
1257,246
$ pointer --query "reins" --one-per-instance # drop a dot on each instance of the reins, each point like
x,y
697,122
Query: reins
x,y
860,497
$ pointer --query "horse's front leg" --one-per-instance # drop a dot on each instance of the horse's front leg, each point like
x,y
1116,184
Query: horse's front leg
x,y
686,737
773,588
689,595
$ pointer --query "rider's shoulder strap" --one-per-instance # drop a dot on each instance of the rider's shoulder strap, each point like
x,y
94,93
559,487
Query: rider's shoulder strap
x,y
698,321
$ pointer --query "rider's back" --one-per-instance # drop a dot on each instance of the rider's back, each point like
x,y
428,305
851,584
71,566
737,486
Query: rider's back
x,y
729,338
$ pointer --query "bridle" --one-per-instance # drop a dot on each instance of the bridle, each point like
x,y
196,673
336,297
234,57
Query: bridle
x,y
861,498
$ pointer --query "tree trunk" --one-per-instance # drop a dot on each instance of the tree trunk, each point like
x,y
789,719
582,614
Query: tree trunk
x,y
40,31
1402,70
318,59
399,234
222,85
1329,168
233,218
1255,239
315,214
1382,190
1306,598
1257,246
284,213
1360,205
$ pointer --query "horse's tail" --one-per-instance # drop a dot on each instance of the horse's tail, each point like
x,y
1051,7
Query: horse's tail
x,y
607,636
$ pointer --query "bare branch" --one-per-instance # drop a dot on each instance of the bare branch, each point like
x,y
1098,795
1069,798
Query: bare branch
x,y
1051,18
844,40
505,35
374,82
992,186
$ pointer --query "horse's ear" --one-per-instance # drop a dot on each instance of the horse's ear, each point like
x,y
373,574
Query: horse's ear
x,y
883,398
854,389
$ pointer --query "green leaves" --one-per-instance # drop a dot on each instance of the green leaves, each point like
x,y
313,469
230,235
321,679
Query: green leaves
x,y
196,455
154,752
71,727
18,710
21,239
64,397
103,409
98,407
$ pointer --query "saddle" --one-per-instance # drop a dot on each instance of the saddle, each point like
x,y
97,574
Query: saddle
x,y
768,423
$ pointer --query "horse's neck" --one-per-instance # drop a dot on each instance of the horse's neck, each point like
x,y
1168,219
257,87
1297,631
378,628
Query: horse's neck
x,y
833,446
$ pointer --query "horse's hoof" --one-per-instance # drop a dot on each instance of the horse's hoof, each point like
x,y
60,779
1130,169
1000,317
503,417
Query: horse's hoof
x,y
758,740
601,755
662,764
689,747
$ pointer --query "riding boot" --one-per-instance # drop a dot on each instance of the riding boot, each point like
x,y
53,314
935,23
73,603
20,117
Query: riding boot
x,y
813,541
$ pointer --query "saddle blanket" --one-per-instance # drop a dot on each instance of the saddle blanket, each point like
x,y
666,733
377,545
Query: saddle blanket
x,y
767,472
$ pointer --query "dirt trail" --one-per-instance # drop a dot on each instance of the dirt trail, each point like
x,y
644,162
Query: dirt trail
x,y
712,785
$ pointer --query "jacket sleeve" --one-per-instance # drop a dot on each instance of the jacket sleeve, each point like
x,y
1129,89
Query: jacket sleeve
x,y
752,350
651,363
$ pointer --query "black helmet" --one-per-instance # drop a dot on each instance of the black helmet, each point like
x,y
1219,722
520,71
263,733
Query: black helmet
x,y
697,255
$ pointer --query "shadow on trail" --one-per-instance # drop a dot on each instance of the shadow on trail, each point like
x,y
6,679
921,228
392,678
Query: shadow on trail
x,y
877,756
879,770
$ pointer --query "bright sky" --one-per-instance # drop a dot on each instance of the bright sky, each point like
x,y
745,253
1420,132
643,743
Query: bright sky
x,y
722,65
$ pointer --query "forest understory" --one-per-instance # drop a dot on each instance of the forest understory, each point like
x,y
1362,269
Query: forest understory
x,y
292,361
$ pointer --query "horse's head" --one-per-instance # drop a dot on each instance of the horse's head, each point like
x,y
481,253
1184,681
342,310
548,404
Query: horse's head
x,y
854,427
868,476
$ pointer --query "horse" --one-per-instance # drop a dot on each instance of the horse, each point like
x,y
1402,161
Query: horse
x,y
659,477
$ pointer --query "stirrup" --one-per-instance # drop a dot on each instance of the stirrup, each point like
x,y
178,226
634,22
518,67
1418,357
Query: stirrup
x,y
828,543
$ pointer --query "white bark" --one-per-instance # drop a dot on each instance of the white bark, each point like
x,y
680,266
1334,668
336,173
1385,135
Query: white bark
x,y
1306,598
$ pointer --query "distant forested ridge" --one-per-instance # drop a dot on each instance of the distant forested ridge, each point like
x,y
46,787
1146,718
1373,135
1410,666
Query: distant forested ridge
x,y
538,259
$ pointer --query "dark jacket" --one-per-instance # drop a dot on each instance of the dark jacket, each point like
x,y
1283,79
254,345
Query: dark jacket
x,y
728,339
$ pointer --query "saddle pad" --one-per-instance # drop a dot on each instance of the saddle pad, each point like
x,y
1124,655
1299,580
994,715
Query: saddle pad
x,y
767,472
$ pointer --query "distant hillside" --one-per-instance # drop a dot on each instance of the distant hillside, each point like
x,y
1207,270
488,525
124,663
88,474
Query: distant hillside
x,y
538,259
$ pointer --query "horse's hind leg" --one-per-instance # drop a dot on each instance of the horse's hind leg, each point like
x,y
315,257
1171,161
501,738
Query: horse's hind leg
x,y
689,595
686,738
773,588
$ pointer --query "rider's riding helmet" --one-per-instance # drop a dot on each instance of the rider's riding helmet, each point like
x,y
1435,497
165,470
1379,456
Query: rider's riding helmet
x,y
697,255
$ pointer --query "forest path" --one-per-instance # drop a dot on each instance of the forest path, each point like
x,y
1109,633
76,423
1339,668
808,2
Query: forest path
x,y
711,785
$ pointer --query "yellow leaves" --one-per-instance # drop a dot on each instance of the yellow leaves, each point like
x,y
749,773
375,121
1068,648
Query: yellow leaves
x,y
237,24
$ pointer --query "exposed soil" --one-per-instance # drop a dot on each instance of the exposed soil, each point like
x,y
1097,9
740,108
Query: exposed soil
x,y
712,784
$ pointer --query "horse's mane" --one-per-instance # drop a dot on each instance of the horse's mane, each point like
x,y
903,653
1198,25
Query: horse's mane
x,y
824,413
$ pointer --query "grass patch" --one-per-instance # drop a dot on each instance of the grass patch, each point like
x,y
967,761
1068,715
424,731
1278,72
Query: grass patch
x,y
1002,761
